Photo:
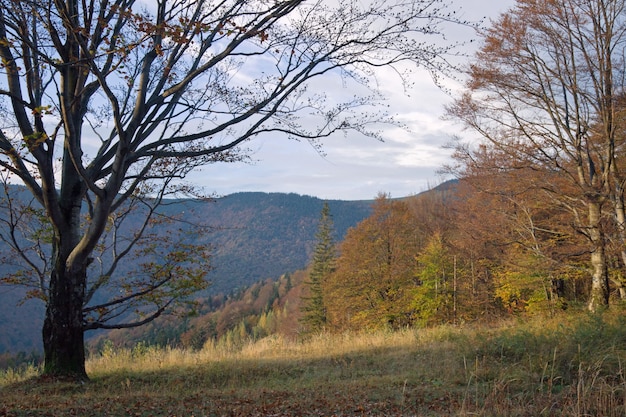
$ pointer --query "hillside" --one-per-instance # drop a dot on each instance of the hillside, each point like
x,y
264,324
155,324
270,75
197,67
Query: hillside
x,y
255,236
568,365
268,307
259,235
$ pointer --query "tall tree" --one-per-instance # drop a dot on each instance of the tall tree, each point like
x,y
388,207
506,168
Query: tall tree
x,y
322,265
371,287
434,296
111,103
543,91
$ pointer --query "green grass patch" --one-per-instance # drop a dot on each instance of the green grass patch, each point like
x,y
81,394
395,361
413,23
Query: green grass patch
x,y
564,366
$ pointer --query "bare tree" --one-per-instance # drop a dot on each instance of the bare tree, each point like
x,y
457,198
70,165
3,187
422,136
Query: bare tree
x,y
543,90
105,100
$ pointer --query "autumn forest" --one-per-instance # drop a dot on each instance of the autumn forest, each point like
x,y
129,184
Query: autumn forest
x,y
108,111
499,292
537,219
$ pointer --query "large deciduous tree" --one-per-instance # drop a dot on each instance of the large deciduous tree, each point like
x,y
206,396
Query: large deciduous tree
x,y
372,285
527,241
544,92
107,104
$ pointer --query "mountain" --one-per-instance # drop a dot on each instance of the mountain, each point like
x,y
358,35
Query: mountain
x,y
255,236
270,306
259,235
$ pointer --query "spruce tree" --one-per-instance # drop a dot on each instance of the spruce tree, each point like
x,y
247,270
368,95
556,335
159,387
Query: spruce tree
x,y
323,263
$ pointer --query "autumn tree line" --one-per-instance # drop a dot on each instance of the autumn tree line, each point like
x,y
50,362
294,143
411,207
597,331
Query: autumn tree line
x,y
455,254
537,219
439,257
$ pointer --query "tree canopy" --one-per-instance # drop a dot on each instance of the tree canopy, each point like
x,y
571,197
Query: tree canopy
x,y
545,93
374,277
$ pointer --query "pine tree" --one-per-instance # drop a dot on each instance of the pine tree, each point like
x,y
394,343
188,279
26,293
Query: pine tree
x,y
314,310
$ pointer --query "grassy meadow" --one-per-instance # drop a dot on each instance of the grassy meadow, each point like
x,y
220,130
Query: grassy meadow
x,y
572,365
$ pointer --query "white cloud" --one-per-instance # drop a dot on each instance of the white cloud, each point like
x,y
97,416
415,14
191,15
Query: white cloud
x,y
356,167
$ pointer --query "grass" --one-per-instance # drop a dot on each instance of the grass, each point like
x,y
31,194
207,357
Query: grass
x,y
567,366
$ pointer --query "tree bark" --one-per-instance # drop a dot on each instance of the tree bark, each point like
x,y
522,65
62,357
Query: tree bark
x,y
599,295
63,331
620,219
64,346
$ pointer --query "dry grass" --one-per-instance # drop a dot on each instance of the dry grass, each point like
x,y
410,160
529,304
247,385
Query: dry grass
x,y
541,368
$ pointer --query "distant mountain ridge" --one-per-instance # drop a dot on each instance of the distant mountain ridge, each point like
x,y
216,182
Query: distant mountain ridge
x,y
268,234
255,235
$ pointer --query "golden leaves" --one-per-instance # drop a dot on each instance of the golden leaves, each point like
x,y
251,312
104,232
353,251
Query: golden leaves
x,y
35,139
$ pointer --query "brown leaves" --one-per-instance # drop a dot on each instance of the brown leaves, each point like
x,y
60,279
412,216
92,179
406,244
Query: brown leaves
x,y
375,270
264,403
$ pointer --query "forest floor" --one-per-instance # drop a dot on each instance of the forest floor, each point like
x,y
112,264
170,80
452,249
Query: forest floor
x,y
570,365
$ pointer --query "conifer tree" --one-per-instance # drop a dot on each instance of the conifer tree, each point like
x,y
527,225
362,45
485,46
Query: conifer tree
x,y
323,264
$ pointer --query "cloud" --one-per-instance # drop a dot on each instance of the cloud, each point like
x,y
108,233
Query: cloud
x,y
356,167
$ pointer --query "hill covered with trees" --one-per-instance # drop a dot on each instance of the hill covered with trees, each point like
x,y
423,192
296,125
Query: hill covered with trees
x,y
452,255
259,235
255,236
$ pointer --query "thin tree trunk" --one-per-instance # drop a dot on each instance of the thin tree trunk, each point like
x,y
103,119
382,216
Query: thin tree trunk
x,y
620,218
599,296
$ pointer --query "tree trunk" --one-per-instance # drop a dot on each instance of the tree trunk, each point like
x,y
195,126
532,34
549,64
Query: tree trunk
x,y
599,296
64,346
63,331
620,217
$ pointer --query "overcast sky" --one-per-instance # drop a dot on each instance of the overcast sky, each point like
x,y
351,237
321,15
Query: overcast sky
x,y
356,167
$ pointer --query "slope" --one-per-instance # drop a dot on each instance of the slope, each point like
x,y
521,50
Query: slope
x,y
255,236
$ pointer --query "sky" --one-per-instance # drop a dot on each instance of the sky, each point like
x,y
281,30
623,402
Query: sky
x,y
354,167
